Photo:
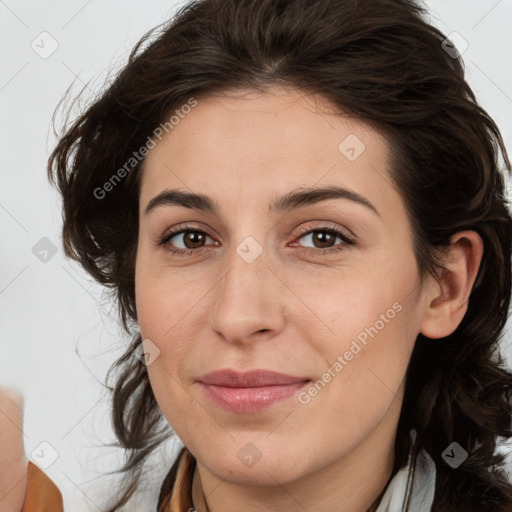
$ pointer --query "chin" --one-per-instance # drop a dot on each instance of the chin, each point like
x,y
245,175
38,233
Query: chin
x,y
262,474
256,462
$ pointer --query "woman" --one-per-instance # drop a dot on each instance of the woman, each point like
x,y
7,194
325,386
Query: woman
x,y
299,207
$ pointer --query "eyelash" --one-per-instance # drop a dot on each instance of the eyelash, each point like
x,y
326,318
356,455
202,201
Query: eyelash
x,y
347,240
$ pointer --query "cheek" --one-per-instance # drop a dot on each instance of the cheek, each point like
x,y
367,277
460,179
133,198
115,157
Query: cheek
x,y
368,346
369,323
159,315
374,307
167,311
163,313
360,368
159,296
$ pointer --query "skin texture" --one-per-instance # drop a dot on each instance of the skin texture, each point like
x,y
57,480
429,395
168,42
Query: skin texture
x,y
289,310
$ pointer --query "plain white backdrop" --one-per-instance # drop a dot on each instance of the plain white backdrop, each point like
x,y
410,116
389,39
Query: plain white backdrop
x,y
58,333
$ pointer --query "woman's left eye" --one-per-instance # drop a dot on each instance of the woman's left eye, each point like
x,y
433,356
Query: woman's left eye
x,y
192,240
326,240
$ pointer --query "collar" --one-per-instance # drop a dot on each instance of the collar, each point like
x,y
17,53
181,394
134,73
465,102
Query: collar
x,y
413,487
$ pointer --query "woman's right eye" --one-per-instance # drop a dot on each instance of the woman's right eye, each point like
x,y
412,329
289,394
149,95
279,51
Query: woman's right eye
x,y
190,239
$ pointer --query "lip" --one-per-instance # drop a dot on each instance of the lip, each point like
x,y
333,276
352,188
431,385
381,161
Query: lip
x,y
247,392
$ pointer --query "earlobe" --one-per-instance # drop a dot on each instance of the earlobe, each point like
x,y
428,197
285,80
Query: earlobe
x,y
446,299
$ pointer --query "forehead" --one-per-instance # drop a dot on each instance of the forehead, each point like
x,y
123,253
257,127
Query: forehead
x,y
250,146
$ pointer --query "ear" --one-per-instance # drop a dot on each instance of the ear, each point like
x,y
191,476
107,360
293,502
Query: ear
x,y
447,299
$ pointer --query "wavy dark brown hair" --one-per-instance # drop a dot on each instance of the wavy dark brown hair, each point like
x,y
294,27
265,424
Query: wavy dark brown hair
x,y
381,61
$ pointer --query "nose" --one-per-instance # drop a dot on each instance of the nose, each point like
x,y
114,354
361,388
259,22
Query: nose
x,y
248,301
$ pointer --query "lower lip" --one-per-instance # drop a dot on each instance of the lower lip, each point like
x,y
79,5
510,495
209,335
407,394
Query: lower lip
x,y
248,400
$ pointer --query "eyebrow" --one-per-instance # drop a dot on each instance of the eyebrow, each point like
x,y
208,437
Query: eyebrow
x,y
294,199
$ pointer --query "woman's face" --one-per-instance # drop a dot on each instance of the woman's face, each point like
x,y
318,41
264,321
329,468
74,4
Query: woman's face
x,y
280,346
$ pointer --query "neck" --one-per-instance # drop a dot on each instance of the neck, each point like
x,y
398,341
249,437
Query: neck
x,y
354,483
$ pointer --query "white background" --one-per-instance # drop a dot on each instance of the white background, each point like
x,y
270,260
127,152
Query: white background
x,y
51,313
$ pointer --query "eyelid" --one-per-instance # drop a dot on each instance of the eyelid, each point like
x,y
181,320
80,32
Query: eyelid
x,y
328,225
176,230
322,225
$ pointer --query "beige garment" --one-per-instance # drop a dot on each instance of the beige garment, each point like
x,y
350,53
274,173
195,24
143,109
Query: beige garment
x,y
42,494
176,489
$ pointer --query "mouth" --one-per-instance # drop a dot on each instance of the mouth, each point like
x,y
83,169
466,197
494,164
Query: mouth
x,y
249,392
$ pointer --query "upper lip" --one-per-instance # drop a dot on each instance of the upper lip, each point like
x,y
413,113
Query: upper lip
x,y
251,379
